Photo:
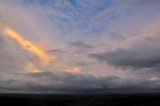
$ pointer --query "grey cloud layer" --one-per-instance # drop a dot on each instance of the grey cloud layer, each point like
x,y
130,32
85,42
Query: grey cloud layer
x,y
57,81
141,55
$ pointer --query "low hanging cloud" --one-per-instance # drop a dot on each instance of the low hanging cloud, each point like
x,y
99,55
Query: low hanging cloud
x,y
69,83
144,54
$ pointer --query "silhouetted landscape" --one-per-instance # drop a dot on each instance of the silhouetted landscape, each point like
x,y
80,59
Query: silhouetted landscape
x,y
80,100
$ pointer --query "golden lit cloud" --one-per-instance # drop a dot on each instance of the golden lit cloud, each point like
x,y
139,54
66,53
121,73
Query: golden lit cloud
x,y
30,68
27,45
75,70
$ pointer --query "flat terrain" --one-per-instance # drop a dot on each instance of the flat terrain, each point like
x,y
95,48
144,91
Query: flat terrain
x,y
80,100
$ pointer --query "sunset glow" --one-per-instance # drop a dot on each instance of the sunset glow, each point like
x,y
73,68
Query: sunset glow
x,y
67,45
27,45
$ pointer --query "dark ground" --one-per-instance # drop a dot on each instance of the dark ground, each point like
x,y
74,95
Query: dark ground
x,y
80,100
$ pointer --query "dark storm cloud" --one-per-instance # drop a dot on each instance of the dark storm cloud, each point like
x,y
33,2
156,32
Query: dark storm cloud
x,y
141,55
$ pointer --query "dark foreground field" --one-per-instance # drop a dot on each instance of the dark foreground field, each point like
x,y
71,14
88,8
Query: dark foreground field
x,y
80,100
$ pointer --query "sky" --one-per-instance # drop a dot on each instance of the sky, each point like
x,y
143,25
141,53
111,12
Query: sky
x,y
66,46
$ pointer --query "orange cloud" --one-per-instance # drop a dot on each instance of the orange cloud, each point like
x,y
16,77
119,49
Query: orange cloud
x,y
27,45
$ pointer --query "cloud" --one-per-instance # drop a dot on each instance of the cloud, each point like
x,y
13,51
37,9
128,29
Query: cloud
x,y
9,56
67,82
30,21
139,2
147,2
144,54
119,33
79,44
